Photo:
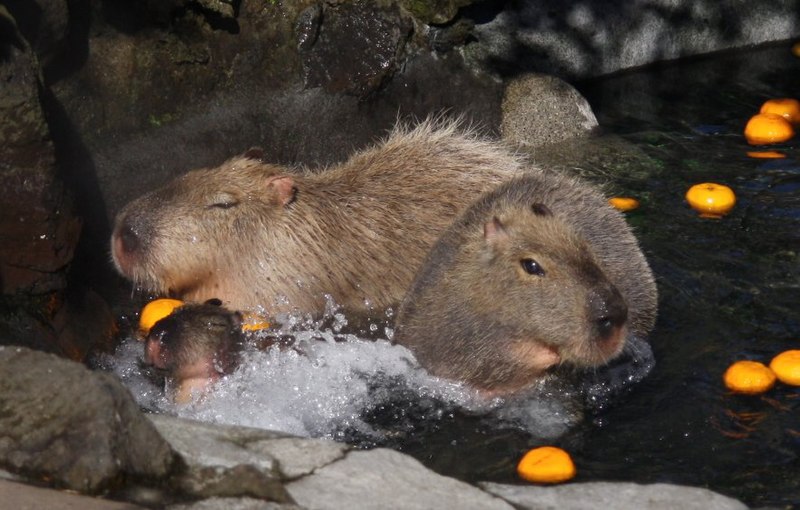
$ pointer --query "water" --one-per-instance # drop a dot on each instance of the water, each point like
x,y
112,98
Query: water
x,y
729,290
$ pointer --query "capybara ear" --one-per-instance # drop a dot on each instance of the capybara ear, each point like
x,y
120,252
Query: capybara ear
x,y
256,153
282,189
540,209
494,232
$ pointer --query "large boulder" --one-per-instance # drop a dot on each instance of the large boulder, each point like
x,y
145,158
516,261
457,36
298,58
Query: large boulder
x,y
77,429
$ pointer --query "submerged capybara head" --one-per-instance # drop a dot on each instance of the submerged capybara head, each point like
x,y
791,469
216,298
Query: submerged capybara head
x,y
194,346
512,298
187,238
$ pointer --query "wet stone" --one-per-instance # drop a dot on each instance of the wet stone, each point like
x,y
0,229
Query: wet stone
x,y
620,496
80,429
25,497
233,504
383,478
374,39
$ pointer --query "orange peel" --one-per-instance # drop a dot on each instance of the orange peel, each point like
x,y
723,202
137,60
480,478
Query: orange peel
x,y
253,322
711,200
767,128
156,310
546,464
786,107
624,203
749,377
786,366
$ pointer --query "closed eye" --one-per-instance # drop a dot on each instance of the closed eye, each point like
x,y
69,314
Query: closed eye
x,y
223,201
532,267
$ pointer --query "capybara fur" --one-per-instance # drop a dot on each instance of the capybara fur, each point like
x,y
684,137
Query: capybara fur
x,y
262,236
539,272
194,346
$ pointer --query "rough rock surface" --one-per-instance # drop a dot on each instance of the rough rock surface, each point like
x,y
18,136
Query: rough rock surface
x,y
26,497
592,37
233,504
386,479
620,496
540,109
82,430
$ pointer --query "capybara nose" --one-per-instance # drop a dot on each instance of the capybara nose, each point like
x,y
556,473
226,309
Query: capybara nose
x,y
128,240
608,311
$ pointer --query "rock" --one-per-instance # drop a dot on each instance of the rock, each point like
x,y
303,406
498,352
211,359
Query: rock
x,y
374,39
386,479
620,496
240,461
24,497
233,504
592,38
436,11
79,429
540,109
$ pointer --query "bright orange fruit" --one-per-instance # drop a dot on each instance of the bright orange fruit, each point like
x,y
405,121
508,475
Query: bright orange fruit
x,y
786,366
623,203
156,310
546,464
766,128
711,200
786,107
749,377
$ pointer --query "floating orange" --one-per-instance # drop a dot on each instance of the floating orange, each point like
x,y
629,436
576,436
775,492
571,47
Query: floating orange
x,y
546,464
711,200
766,128
749,377
156,310
787,108
766,154
624,203
796,49
786,366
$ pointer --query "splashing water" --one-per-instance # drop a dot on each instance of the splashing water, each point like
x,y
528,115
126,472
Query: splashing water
x,y
330,385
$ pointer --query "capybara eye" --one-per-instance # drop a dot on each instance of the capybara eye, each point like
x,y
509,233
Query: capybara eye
x,y
532,267
224,201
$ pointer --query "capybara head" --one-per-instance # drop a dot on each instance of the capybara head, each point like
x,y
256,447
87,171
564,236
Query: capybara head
x,y
187,238
196,342
511,298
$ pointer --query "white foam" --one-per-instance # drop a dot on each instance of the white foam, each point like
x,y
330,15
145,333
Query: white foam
x,y
328,388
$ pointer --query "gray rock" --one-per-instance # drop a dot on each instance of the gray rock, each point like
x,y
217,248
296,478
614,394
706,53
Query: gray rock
x,y
224,460
386,479
233,504
78,428
540,110
26,497
593,37
619,496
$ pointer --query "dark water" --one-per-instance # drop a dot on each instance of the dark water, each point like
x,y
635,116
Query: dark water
x,y
729,290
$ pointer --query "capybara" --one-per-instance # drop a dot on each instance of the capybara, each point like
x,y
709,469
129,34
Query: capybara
x,y
194,346
538,272
259,235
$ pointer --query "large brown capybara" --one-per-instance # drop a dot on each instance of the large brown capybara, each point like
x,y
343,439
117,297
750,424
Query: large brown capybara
x,y
539,272
258,235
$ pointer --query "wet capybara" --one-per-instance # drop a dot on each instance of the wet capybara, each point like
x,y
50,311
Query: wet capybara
x,y
258,235
194,346
538,272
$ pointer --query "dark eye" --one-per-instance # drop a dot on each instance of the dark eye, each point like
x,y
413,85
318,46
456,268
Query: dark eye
x,y
532,267
223,201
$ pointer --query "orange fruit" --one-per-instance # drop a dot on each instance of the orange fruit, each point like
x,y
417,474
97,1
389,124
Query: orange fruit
x,y
623,203
766,128
749,377
156,310
786,366
766,154
796,49
253,322
546,464
787,108
711,200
